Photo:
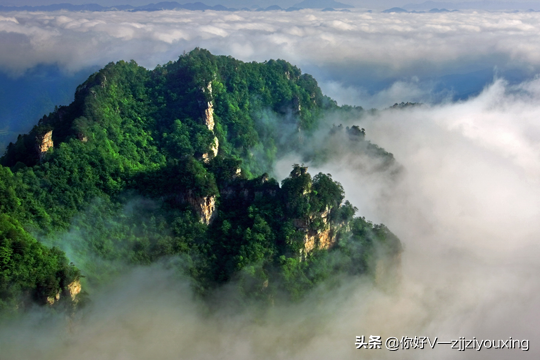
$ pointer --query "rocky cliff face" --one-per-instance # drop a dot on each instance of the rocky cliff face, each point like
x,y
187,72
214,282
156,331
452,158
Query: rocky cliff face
x,y
320,239
71,291
318,231
214,151
208,119
205,208
209,112
44,143
52,299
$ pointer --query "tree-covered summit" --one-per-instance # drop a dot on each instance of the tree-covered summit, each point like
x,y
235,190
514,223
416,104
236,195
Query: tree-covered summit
x,y
152,164
254,105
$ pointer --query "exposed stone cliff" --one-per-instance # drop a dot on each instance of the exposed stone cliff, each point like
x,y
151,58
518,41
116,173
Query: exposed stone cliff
x,y
205,208
214,151
322,238
44,143
71,291
209,113
208,119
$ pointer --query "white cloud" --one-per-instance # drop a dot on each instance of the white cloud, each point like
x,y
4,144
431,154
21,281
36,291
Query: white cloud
x,y
466,210
399,44
378,56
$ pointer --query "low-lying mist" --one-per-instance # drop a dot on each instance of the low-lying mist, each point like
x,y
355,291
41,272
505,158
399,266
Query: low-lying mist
x,y
465,207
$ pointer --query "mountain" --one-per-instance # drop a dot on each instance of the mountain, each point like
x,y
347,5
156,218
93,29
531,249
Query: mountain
x,y
271,8
321,4
401,10
173,163
440,10
165,5
63,6
478,5
395,10
173,5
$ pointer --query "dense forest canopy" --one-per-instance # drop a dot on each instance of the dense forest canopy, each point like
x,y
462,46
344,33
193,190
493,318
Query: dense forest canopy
x,y
173,162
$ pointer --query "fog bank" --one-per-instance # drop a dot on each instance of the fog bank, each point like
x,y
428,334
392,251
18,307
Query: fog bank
x,y
466,210
363,50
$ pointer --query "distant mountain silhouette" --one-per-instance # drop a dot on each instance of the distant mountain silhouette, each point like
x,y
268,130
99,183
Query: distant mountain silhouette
x,y
401,10
271,8
428,6
172,5
63,6
485,5
165,5
395,10
321,4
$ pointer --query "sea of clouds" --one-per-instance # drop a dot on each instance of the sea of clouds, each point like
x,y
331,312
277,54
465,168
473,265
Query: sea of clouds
x,y
347,52
466,207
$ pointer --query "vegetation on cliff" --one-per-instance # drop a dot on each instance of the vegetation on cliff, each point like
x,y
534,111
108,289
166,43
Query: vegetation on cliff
x,y
146,165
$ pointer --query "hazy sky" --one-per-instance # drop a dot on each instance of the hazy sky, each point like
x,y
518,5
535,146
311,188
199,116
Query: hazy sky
x,y
374,4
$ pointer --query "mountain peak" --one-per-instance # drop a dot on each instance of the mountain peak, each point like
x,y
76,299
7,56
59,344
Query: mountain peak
x,y
321,4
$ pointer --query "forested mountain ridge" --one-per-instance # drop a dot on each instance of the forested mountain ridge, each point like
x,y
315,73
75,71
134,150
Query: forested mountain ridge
x,y
145,165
